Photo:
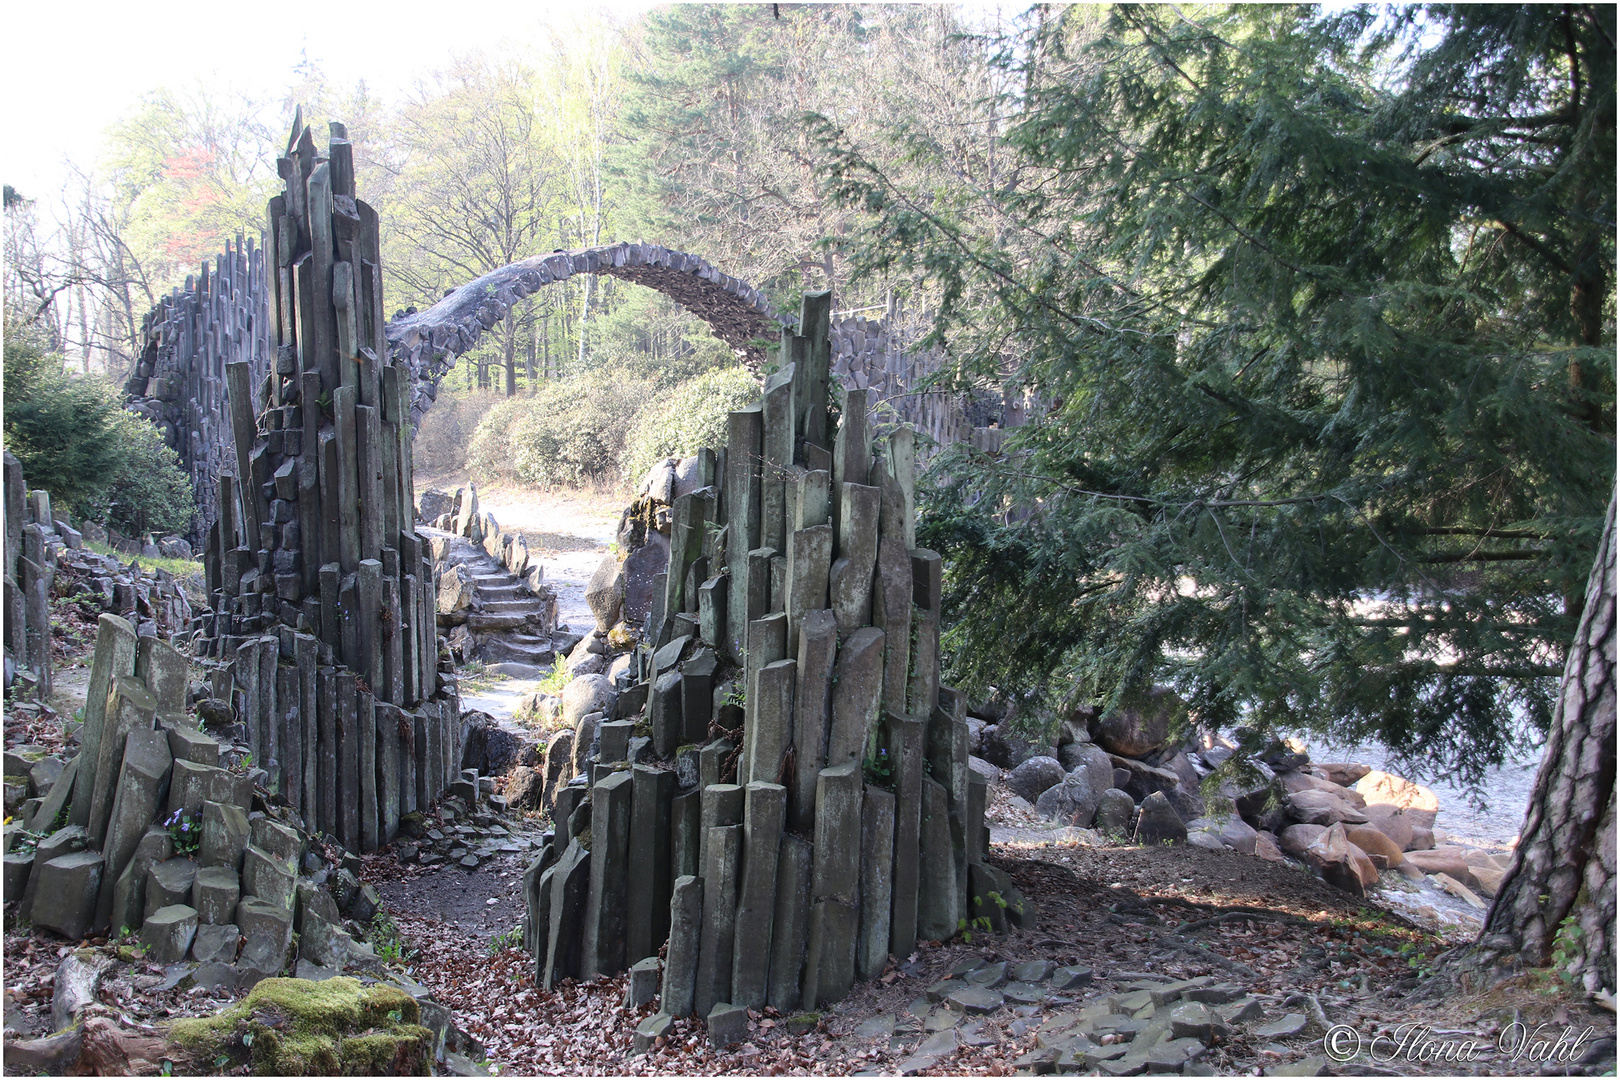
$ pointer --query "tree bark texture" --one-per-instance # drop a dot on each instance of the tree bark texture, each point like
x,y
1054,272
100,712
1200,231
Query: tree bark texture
x,y
1564,867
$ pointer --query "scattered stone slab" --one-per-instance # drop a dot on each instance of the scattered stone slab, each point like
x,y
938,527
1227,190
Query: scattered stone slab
x,y
1290,1025
649,1031
1023,993
728,1025
1031,971
933,1050
975,1000
1071,978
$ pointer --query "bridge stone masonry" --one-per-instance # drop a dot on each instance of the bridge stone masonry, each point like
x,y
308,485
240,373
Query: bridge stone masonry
x,y
782,793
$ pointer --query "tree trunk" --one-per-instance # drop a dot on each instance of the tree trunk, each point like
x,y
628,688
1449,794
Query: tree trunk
x,y
1560,889
511,354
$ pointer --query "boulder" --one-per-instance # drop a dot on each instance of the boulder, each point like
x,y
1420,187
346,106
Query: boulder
x,y
1393,822
455,590
1228,830
1343,773
1091,757
1341,863
605,592
525,788
1142,779
587,658
1442,860
1071,801
1315,807
434,504
1266,846
1295,780
1139,730
1487,879
1008,749
1035,775
1158,822
1391,790
1296,838
1383,851
1115,808
488,746
587,694
659,483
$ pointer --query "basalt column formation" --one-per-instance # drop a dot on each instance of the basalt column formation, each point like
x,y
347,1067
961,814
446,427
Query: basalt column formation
x,y
784,794
322,629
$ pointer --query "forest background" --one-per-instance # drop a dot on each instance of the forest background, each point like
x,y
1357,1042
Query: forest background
x,y
1319,306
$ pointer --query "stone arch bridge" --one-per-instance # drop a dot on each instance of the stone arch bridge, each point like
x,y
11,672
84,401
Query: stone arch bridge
x,y
222,315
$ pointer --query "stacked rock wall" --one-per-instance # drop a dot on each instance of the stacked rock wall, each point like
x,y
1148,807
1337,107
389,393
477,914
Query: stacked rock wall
x,y
784,793
179,383
321,630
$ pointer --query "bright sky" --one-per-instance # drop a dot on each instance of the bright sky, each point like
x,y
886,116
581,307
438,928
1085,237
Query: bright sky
x,y
71,70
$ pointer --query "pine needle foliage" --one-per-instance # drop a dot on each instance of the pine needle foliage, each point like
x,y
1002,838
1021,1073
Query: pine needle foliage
x,y
1318,317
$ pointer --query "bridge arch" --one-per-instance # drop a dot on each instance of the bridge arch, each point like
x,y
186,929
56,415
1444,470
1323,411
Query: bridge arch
x,y
430,340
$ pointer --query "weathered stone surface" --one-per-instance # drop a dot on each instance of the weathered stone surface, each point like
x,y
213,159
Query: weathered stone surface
x,y
1140,730
187,743
1115,809
1072,801
721,870
763,816
1382,788
268,877
225,832
830,952
167,933
939,896
142,776
1034,776
790,928
770,735
877,882
685,933
856,696
649,1031
65,893
1158,822
1316,807
267,931
605,592
1228,830
812,712
586,694
728,1025
130,707
214,894
1383,851
114,656
1341,863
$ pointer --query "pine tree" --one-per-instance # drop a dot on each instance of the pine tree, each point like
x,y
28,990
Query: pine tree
x,y
1321,313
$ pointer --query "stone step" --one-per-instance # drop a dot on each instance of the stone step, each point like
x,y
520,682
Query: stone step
x,y
512,607
507,649
513,591
480,623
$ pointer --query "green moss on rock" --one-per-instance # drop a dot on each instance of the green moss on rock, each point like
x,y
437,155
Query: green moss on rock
x,y
295,1027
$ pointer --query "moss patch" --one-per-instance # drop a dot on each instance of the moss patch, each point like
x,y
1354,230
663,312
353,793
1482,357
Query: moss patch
x,y
294,1027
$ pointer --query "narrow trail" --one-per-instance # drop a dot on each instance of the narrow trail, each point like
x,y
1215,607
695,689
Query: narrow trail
x,y
568,533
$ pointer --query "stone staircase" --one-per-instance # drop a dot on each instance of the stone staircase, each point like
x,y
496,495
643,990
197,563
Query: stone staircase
x,y
490,613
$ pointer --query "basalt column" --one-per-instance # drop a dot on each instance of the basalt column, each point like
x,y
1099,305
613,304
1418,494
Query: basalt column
x,y
320,584
789,689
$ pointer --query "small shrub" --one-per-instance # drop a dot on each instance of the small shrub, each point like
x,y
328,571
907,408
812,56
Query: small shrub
x,y
686,419
569,433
